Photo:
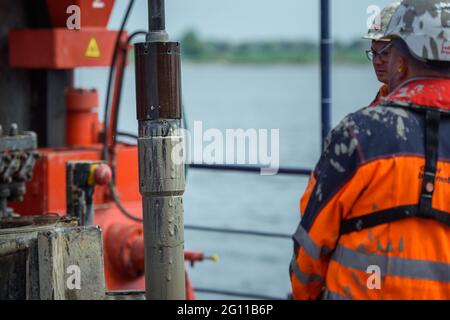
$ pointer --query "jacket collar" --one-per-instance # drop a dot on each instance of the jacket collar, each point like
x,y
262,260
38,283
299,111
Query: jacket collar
x,y
421,92
383,92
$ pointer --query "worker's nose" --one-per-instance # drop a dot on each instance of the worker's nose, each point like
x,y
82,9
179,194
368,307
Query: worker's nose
x,y
378,60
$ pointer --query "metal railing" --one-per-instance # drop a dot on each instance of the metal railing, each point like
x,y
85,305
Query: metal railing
x,y
325,57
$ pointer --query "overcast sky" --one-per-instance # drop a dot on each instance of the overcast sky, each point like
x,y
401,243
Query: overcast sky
x,y
237,20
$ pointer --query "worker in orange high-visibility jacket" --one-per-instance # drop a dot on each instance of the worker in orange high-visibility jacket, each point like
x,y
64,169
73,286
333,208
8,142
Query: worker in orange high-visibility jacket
x,y
375,218
379,51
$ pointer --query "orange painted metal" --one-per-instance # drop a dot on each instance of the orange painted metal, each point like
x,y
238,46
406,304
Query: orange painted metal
x,y
82,125
47,191
124,256
81,100
92,46
110,219
61,48
123,244
94,13
127,173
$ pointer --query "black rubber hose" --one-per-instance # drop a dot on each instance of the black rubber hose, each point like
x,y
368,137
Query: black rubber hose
x,y
112,186
110,81
120,90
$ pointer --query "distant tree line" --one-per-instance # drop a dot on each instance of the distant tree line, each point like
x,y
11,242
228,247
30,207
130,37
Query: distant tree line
x,y
281,51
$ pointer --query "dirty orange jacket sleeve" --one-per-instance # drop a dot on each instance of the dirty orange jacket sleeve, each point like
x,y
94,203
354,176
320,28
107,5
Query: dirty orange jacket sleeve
x,y
332,190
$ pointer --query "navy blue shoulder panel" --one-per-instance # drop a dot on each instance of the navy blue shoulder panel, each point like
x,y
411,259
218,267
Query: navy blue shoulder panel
x,y
394,131
338,163
389,131
444,139
366,135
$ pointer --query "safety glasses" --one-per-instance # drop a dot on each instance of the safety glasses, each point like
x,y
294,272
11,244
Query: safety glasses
x,y
371,54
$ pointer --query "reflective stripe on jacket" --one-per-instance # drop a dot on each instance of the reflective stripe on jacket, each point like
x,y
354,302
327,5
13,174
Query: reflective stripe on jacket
x,y
372,161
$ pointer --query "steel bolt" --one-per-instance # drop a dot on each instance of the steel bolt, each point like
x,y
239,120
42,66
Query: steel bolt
x,y
359,224
14,130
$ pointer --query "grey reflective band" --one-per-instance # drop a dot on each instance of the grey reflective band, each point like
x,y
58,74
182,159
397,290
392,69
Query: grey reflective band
x,y
303,277
393,266
330,295
302,237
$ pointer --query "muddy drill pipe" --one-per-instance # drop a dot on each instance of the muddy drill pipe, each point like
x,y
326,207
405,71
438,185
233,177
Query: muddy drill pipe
x,y
156,21
161,176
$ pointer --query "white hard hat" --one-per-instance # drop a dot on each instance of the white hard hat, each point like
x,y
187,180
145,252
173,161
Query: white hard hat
x,y
424,26
381,22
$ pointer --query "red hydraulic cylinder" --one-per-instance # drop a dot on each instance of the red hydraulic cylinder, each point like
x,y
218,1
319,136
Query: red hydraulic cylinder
x,y
82,126
122,244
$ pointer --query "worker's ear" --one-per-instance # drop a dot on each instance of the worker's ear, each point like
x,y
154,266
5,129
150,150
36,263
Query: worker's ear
x,y
398,69
403,69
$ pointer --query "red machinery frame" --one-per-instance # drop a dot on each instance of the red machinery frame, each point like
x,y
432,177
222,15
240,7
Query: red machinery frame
x,y
93,45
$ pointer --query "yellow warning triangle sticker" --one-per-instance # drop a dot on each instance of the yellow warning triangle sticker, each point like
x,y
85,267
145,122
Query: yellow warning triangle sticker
x,y
93,50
